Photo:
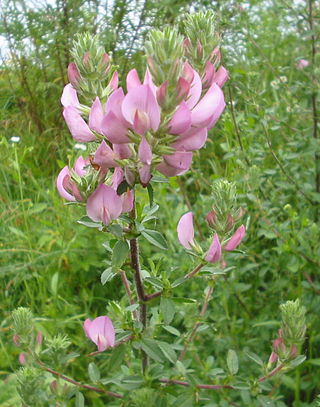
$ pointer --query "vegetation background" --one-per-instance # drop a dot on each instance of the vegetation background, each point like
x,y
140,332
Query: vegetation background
x,y
267,142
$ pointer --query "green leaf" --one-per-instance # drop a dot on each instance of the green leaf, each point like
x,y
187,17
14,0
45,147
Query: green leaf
x,y
79,400
297,361
152,349
172,330
120,253
94,372
155,282
232,362
116,358
155,238
167,309
86,221
183,300
116,230
255,358
168,351
150,194
107,275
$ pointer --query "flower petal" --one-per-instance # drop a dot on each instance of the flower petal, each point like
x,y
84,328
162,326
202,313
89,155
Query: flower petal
x,y
181,120
214,253
80,164
221,76
185,230
133,80
180,159
236,239
195,91
86,326
96,115
69,96
62,182
144,151
104,156
209,108
141,98
104,205
194,140
78,127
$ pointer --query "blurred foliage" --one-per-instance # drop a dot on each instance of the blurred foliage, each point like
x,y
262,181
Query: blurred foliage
x,y
267,142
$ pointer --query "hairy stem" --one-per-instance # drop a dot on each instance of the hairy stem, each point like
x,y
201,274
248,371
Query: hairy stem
x,y
78,384
135,264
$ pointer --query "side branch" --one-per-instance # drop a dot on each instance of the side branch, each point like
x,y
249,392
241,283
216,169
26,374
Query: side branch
x,y
78,384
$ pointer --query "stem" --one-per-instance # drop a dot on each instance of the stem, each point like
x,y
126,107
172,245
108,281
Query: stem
x,y
135,264
128,291
84,386
194,271
272,373
197,324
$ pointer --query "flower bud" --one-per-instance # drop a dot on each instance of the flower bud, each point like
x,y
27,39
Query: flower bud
x,y
39,338
73,74
86,59
211,218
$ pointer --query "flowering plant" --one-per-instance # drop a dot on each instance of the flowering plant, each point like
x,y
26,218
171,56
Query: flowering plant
x,y
137,138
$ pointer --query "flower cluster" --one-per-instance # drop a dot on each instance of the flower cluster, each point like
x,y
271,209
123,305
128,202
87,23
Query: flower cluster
x,y
214,254
150,127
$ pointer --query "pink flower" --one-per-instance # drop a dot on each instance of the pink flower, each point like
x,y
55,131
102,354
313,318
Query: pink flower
x,y
114,126
69,97
73,74
79,129
236,239
22,358
67,188
101,332
185,230
214,253
104,205
302,63
140,108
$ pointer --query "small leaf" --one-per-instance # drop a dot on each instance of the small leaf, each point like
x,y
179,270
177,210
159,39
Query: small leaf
x,y
172,330
232,362
120,253
116,230
86,221
167,309
107,275
150,194
152,349
297,361
94,372
168,352
155,282
79,400
155,238
255,358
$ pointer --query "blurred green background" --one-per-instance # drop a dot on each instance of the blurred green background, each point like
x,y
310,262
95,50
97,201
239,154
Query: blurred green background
x,y
267,142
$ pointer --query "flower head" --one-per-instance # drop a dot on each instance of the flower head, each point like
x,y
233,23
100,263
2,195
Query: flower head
x,y
101,332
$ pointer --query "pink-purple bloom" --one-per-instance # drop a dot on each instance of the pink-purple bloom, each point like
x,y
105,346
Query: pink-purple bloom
x,y
302,63
104,205
101,332
67,188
